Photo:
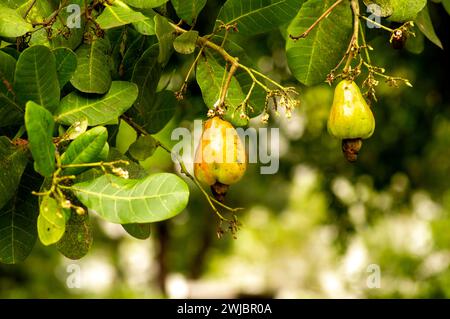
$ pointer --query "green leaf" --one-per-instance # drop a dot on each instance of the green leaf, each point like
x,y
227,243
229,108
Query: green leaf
x,y
160,112
143,148
147,26
10,112
139,231
135,50
13,161
145,4
396,10
18,222
446,4
210,76
77,238
12,24
258,16
165,33
39,124
185,43
188,10
51,222
7,69
118,14
423,22
124,201
97,110
151,110
66,64
91,74
312,58
36,78
87,148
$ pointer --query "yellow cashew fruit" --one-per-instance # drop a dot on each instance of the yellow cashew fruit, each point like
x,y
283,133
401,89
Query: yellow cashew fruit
x,y
220,158
351,119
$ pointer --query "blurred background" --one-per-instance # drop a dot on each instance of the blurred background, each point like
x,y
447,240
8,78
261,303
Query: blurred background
x,y
320,227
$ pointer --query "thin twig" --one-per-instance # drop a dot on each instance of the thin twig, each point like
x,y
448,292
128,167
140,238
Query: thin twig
x,y
353,48
29,9
323,16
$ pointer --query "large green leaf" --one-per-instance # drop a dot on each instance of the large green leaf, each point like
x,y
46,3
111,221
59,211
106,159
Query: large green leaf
x,y
188,10
118,14
39,124
87,148
210,75
396,10
51,222
66,64
423,22
258,16
77,238
145,4
166,35
36,78
92,74
124,201
13,161
18,221
312,58
12,23
97,110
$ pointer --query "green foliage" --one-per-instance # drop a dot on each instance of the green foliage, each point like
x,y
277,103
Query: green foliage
x,y
36,78
398,10
154,198
97,110
145,4
77,238
118,14
86,148
11,23
51,222
165,33
143,148
69,98
18,220
311,59
210,75
13,161
258,16
40,125
186,43
423,21
91,75
139,231
188,10
66,64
